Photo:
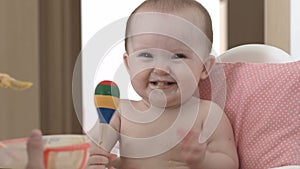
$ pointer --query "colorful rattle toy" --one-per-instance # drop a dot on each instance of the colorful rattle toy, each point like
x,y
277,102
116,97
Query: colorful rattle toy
x,y
107,96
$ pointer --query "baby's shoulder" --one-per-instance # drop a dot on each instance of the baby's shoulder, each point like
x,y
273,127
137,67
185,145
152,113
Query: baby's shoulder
x,y
204,104
208,108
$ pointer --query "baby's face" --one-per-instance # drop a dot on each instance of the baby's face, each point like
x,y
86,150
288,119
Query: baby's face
x,y
163,71
163,56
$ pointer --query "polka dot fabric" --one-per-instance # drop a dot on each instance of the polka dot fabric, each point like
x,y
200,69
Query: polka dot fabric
x,y
263,105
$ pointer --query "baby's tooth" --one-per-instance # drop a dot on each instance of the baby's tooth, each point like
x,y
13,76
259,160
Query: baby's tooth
x,y
160,83
152,86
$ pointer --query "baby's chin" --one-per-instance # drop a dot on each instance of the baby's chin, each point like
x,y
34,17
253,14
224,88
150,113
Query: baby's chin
x,y
159,99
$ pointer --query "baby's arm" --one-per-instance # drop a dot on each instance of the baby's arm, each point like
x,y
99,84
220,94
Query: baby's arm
x,y
219,152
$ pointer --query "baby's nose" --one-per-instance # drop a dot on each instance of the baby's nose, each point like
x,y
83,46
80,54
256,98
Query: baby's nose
x,y
161,66
160,71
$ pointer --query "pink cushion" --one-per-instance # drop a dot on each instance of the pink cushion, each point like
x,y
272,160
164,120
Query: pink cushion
x,y
263,105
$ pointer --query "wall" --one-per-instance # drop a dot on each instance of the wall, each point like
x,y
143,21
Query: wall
x,y
19,57
40,42
245,22
60,45
277,25
283,24
295,28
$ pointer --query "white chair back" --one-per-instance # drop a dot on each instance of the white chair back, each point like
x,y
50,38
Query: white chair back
x,y
256,53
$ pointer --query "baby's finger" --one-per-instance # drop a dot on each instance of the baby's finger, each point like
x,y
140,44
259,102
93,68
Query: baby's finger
x,y
97,160
112,156
183,136
96,150
96,167
190,138
182,133
114,162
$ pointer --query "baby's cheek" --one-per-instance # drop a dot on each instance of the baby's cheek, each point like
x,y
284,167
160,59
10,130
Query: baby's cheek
x,y
139,83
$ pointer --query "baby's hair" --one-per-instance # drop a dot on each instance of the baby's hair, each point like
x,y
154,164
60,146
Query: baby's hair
x,y
166,6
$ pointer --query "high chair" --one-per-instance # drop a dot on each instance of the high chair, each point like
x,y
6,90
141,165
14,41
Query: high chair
x,y
256,53
262,104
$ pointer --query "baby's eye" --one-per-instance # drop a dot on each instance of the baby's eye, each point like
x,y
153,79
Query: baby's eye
x,y
146,55
179,56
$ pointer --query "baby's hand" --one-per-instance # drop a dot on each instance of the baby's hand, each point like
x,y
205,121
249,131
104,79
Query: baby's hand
x,y
99,158
192,152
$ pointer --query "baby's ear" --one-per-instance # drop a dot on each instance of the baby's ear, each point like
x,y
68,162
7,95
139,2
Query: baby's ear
x,y
125,60
208,64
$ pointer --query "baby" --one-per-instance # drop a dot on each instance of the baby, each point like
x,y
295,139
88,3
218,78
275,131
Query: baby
x,y
168,44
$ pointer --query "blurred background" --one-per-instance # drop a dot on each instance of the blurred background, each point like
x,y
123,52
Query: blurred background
x,y
40,41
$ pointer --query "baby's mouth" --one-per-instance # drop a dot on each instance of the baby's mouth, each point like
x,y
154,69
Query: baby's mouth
x,y
161,84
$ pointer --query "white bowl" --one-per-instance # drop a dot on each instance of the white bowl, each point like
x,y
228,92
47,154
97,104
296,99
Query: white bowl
x,y
60,151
